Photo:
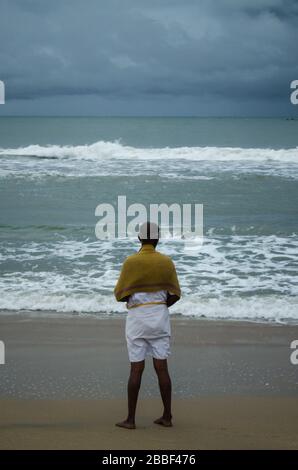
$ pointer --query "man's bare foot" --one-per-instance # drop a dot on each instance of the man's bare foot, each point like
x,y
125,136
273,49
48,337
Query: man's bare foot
x,y
126,424
164,422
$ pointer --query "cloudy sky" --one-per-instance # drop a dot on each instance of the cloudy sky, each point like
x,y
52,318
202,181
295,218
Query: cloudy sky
x,y
148,57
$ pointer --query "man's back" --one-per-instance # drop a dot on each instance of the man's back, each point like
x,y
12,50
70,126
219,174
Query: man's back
x,y
147,271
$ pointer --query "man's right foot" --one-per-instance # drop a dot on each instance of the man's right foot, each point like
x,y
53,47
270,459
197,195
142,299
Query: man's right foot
x,y
164,422
126,424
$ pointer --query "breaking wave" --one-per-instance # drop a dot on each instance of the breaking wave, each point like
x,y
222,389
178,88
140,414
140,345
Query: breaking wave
x,y
105,150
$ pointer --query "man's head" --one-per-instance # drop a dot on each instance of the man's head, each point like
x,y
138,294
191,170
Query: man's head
x,y
149,233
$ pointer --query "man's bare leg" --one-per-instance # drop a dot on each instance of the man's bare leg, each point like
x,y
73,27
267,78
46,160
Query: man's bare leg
x,y
133,387
165,386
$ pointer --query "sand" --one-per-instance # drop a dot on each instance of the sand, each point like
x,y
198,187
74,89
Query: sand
x,y
201,423
64,382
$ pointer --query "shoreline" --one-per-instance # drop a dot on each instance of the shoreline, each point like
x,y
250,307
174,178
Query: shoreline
x,y
101,315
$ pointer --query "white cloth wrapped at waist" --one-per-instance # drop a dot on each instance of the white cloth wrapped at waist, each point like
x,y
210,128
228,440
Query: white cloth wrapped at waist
x,y
148,315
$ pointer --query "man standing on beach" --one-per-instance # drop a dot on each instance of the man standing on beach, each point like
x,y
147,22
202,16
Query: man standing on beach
x,y
148,283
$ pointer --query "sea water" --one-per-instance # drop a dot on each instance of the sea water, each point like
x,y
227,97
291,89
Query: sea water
x,y
55,171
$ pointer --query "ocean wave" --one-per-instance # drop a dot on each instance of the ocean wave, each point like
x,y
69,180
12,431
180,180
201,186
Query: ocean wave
x,y
116,150
232,276
271,308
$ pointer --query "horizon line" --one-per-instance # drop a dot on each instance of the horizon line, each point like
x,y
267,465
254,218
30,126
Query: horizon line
x,y
149,116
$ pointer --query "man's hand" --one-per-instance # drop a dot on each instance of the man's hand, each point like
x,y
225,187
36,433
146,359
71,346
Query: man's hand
x,y
172,299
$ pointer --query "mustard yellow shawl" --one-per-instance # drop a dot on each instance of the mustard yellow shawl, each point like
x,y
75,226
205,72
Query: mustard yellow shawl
x,y
147,271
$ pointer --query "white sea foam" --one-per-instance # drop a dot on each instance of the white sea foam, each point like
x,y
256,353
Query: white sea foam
x,y
271,308
110,150
183,163
253,277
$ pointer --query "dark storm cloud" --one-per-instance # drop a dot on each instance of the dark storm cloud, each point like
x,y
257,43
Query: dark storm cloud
x,y
201,54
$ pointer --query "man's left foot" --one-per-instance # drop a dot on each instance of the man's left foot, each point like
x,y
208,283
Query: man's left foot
x,y
126,424
164,422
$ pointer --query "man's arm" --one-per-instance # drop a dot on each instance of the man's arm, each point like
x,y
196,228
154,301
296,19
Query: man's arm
x,y
121,283
171,297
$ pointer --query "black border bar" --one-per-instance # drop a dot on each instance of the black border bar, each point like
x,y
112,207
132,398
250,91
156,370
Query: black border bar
x,y
149,458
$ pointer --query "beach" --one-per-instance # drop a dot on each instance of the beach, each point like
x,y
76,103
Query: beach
x,y
63,386
149,170
65,378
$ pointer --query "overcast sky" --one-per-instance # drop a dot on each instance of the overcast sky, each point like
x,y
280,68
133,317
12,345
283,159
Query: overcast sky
x,y
148,57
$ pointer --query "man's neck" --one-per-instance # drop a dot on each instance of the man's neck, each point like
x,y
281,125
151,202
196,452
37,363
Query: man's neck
x,y
147,247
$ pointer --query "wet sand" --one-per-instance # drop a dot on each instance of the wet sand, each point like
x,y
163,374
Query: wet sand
x,y
199,423
64,382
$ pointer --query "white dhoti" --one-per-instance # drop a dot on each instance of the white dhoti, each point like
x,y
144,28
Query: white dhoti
x,y
148,329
